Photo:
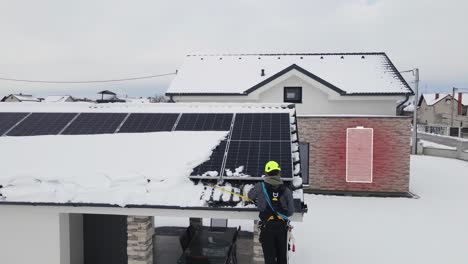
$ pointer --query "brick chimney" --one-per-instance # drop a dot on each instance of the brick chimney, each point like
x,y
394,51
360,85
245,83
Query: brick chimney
x,y
437,96
460,103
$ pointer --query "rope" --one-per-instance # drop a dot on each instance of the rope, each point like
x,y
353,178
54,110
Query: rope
x,y
244,197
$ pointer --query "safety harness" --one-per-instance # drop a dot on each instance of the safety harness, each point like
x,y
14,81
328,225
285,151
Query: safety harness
x,y
277,214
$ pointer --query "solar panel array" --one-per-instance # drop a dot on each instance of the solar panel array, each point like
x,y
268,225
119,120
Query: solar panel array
x,y
95,123
42,124
269,126
256,139
143,122
253,139
205,122
8,120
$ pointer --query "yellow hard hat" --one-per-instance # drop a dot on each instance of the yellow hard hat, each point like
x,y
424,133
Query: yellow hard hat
x,y
271,166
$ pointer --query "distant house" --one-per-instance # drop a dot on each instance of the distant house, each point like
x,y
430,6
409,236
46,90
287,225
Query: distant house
x,y
20,98
338,83
59,99
437,109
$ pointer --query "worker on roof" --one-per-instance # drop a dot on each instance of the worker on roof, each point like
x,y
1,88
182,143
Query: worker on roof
x,y
275,203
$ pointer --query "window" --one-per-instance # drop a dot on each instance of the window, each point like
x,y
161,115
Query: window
x,y
304,152
359,154
293,95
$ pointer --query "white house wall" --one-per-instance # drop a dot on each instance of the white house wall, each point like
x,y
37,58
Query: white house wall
x,y
28,236
314,100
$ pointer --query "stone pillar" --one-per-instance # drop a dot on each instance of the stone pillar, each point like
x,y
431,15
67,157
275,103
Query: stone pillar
x,y
140,232
257,246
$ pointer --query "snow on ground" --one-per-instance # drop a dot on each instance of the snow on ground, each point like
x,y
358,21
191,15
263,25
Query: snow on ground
x,y
357,230
429,230
429,144
112,169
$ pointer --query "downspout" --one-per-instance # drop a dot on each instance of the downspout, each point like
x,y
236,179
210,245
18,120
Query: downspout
x,y
399,111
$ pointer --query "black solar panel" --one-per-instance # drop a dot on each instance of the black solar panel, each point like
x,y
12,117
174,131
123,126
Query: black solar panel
x,y
42,124
253,155
8,120
143,122
205,122
214,163
270,126
95,123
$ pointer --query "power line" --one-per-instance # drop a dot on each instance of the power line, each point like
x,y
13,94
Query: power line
x,y
96,81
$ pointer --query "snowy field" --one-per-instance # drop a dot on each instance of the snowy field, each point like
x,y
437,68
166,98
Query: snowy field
x,y
430,230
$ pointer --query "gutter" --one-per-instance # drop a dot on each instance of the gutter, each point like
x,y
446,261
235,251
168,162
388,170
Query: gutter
x,y
399,111
304,208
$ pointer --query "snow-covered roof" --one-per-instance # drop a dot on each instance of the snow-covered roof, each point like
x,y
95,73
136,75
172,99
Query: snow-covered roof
x,y
25,98
57,98
142,169
117,169
431,98
346,73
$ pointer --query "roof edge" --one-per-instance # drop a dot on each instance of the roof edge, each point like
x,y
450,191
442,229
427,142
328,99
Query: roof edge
x,y
130,206
287,54
301,70
398,75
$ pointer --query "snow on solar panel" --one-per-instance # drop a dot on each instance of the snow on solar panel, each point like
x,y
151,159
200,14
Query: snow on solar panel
x,y
271,126
42,124
204,122
146,122
95,123
8,120
359,154
212,167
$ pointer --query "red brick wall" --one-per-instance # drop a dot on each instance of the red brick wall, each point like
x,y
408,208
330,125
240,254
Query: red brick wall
x,y
327,152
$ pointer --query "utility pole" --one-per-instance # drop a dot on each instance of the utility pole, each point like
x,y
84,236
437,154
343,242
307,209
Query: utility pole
x,y
414,136
453,99
415,112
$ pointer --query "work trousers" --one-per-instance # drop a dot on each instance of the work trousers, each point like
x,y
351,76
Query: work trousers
x,y
274,236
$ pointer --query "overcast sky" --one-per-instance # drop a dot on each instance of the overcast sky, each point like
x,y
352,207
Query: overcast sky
x,y
93,40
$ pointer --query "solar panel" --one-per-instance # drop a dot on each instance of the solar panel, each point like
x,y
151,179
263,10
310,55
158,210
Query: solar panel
x,y
213,164
253,155
270,126
143,122
95,123
8,120
42,124
205,122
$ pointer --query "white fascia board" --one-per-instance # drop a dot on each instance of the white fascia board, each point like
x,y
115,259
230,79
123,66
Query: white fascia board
x,y
370,98
219,213
214,98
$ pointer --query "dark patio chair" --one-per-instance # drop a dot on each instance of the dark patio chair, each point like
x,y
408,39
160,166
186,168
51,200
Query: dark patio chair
x,y
232,253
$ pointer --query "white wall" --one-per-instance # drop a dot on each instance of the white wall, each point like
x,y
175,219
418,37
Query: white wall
x,y
28,236
314,100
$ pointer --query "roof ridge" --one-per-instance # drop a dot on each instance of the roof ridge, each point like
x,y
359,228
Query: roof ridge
x,y
288,54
